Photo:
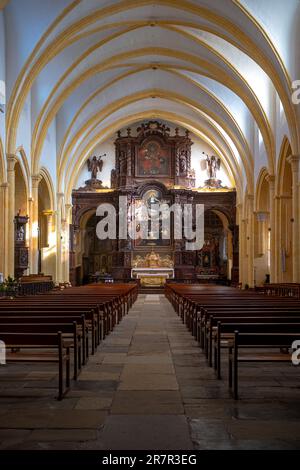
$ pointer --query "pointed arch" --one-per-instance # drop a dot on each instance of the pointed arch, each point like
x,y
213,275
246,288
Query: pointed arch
x,y
2,163
45,175
260,188
285,151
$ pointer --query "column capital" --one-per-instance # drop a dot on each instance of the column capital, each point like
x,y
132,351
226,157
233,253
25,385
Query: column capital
x,y
271,180
35,180
11,161
294,162
4,185
48,213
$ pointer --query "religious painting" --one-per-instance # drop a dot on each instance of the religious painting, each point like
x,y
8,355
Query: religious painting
x,y
153,160
150,200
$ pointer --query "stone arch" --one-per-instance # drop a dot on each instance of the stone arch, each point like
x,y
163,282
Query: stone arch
x,y
2,163
2,208
21,190
90,255
46,232
284,214
261,226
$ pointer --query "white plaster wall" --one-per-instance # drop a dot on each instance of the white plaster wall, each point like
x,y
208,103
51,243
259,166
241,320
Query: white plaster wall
x,y
26,22
2,78
24,129
109,163
48,157
281,21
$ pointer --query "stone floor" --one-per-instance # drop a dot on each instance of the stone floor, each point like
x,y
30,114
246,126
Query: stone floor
x,y
149,387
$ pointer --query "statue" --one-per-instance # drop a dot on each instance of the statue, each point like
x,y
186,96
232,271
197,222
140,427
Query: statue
x,y
113,178
137,262
94,165
213,165
20,237
167,262
153,260
182,162
122,162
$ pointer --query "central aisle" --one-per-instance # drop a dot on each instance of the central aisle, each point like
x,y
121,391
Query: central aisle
x,y
147,410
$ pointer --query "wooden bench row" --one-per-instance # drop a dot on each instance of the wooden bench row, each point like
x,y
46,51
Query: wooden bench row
x,y
237,320
46,328
280,289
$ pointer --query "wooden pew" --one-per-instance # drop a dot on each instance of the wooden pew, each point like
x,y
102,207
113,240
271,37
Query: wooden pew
x,y
91,308
56,316
73,331
225,332
203,309
59,352
257,341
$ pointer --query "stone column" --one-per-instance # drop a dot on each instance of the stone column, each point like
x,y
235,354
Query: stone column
x,y
244,252
11,162
250,241
239,222
34,224
277,243
66,247
49,215
4,229
59,237
273,254
294,161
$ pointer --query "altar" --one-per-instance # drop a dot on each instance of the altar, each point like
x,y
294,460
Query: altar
x,y
152,277
152,270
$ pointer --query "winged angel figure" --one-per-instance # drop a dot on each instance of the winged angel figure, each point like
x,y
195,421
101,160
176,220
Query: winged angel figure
x,y
212,164
94,165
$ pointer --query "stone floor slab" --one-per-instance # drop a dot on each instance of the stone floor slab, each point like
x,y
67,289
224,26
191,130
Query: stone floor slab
x,y
146,432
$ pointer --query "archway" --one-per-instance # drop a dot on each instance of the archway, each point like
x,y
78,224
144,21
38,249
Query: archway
x,y
284,212
46,231
262,233
21,229
215,258
96,257
91,255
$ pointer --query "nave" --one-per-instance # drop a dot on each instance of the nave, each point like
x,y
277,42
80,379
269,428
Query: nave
x,y
148,386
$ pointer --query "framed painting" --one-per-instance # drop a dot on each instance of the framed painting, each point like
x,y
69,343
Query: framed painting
x,y
153,159
150,200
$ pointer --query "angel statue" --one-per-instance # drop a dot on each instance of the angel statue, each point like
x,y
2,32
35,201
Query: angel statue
x,y
213,164
94,165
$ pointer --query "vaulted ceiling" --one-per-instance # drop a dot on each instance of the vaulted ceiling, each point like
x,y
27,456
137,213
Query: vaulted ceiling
x,y
89,67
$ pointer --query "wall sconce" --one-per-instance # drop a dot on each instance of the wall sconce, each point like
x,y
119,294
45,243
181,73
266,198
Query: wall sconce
x,y
292,220
269,229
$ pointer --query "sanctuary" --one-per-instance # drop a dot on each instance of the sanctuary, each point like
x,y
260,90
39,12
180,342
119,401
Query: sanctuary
x,y
153,165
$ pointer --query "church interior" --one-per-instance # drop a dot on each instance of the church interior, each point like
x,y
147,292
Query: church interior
x,y
110,109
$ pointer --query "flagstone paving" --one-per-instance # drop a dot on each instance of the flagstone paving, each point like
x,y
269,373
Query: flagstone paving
x,y
149,387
